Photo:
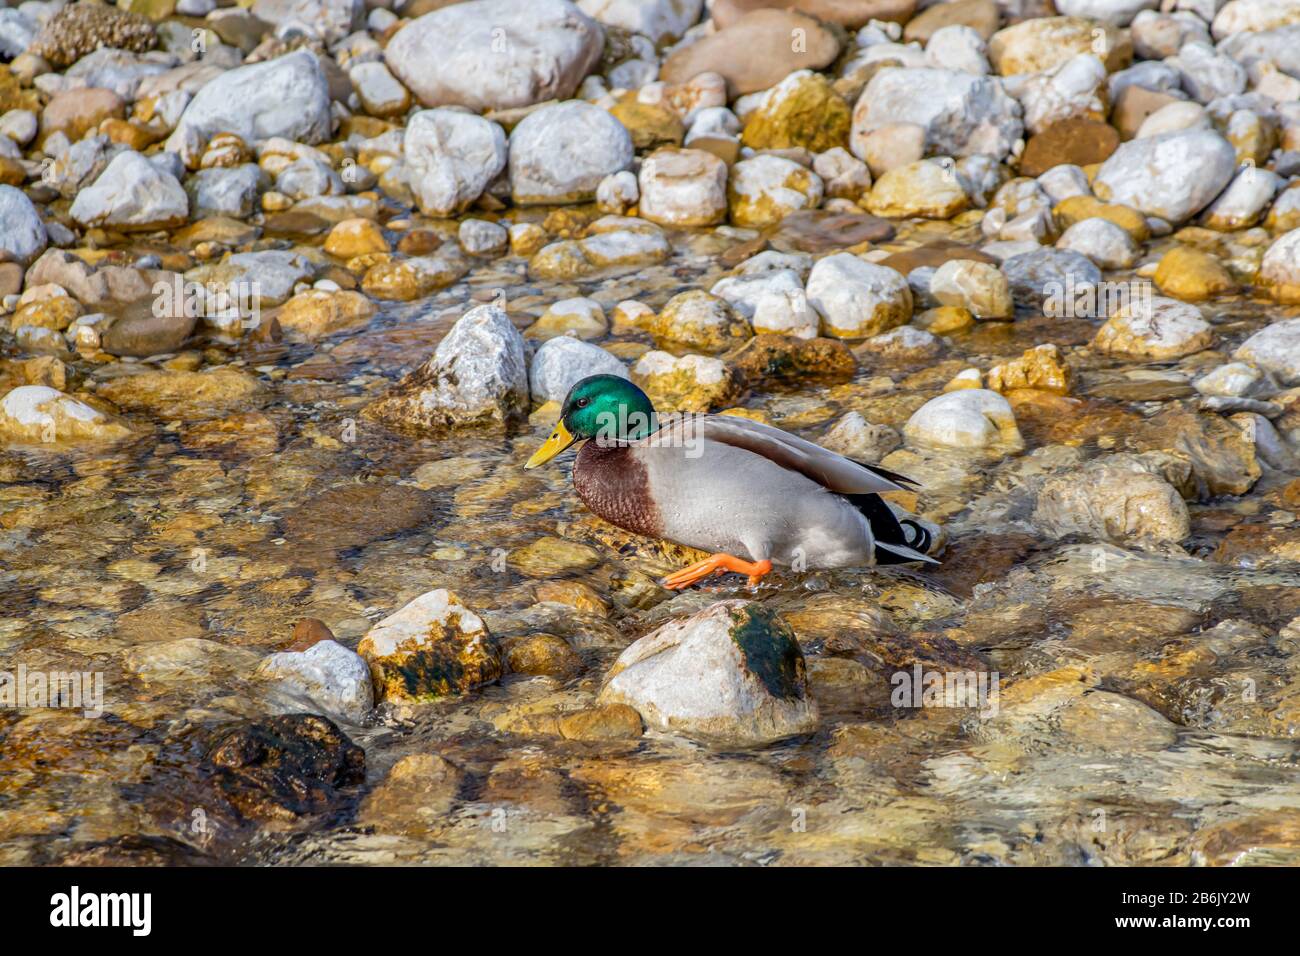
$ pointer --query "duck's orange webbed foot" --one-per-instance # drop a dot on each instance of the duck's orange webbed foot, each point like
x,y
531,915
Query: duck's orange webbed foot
x,y
717,564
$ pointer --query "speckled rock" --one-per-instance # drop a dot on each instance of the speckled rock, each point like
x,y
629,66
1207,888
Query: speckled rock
x,y
476,378
1117,498
730,675
1155,328
79,29
328,675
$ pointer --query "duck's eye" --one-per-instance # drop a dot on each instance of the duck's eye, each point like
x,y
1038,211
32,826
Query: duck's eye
x,y
584,402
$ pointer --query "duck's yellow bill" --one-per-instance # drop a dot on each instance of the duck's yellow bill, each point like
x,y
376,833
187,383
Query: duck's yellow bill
x,y
560,439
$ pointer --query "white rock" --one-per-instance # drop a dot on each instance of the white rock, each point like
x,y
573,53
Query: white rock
x,y
1075,88
657,19
967,419
731,674
452,157
287,96
857,299
477,376
308,178
479,237
38,414
1116,12
618,192
17,31
961,113
560,153
772,300
381,93
22,231
1172,176
1156,328
1230,380
1275,349
496,54
226,191
978,287
854,437
330,20
770,260
1245,200
329,675
1105,243
19,125
844,175
1279,270
1065,181
1254,16
766,188
132,193
1207,74
1173,118
957,47
683,187
1159,35
563,361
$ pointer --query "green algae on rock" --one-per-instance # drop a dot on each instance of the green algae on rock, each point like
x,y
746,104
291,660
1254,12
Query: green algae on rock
x,y
433,647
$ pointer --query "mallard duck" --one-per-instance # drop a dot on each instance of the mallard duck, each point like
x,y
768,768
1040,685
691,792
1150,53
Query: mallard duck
x,y
752,495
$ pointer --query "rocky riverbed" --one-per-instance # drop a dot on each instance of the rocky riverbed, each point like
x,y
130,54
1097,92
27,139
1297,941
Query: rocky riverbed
x,y
292,290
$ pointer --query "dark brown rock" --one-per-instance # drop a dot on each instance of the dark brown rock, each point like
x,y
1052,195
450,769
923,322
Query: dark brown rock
x,y
284,767
1079,141
768,358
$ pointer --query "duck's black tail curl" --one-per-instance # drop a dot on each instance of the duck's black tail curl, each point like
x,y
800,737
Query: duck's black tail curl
x,y
897,541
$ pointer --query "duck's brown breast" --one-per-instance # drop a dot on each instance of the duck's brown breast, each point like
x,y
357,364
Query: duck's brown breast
x,y
613,483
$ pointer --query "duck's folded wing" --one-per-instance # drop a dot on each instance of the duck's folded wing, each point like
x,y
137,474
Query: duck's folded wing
x,y
833,472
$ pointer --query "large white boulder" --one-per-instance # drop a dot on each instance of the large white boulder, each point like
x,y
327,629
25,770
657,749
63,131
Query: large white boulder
x,y
1173,176
287,97
496,54
560,153
857,299
132,193
22,231
962,113
451,158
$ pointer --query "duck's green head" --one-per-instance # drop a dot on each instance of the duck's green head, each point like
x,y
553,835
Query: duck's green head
x,y
604,407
